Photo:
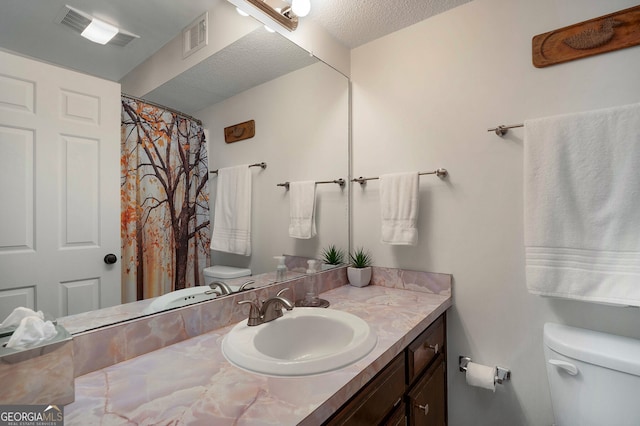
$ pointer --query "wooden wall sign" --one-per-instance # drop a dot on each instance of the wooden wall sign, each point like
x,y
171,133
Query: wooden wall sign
x,y
599,35
240,131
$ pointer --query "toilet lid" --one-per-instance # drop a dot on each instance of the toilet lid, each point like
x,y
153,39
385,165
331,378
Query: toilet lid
x,y
226,272
606,350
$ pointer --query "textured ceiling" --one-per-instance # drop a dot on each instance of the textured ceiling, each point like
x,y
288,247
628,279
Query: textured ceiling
x,y
240,66
28,27
355,22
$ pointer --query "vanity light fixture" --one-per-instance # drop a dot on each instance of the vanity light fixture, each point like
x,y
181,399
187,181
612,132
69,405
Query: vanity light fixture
x,y
284,12
301,7
241,12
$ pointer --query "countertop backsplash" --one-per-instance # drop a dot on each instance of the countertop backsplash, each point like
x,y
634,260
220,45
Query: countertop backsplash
x,y
100,348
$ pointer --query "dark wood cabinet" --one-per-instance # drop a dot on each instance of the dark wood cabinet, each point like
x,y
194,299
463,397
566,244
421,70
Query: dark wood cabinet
x,y
411,389
374,402
398,416
426,401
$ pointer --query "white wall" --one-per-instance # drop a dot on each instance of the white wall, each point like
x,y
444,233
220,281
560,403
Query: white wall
x,y
302,134
423,98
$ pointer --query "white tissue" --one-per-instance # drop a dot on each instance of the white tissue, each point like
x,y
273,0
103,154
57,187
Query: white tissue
x,y
30,331
481,375
18,315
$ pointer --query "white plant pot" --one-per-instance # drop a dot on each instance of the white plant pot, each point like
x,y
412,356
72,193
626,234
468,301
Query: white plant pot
x,y
359,277
327,266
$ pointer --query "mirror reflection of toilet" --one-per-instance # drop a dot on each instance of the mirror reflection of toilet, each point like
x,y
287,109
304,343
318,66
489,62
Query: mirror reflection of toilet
x,y
594,377
222,272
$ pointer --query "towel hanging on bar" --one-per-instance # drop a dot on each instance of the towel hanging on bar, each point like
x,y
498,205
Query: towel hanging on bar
x,y
339,181
441,173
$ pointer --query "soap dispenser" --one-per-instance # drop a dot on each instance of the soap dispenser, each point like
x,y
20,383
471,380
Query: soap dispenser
x,y
281,269
312,267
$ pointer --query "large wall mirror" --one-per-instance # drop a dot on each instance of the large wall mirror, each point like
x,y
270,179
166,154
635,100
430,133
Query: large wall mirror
x,y
300,108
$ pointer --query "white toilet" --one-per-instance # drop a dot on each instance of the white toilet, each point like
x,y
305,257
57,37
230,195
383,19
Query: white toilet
x,y
222,272
594,377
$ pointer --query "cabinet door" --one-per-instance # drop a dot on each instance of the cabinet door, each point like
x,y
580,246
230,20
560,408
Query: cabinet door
x,y
376,400
427,399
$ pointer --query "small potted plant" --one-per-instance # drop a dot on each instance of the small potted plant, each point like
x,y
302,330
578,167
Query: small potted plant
x,y
359,272
332,256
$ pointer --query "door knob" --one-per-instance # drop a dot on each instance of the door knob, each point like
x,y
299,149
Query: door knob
x,y
110,259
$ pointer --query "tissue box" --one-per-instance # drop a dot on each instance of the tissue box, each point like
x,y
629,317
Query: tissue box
x,y
42,374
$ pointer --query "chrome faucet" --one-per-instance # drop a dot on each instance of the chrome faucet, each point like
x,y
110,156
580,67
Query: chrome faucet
x,y
270,309
224,288
244,285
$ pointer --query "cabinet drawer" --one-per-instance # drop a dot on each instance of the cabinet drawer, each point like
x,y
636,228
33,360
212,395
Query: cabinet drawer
x,y
427,399
376,399
398,417
425,348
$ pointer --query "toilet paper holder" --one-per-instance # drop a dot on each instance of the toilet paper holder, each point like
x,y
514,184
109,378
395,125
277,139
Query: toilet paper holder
x,y
501,375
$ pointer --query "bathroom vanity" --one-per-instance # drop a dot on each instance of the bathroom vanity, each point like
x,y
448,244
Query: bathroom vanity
x,y
411,389
191,382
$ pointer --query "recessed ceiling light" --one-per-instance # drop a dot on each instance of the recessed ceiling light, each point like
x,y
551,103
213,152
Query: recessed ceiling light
x,y
99,31
241,12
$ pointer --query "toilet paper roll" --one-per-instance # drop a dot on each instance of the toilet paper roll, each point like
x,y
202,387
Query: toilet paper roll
x,y
481,375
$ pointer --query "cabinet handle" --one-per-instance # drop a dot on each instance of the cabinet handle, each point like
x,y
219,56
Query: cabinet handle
x,y
435,348
424,407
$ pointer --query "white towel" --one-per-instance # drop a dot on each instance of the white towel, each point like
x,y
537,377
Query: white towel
x,y
302,206
582,202
399,207
232,213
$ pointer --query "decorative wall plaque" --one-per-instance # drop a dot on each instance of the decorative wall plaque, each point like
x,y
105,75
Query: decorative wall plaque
x,y
240,131
599,35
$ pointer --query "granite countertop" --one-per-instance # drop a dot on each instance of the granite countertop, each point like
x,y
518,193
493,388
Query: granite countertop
x,y
191,382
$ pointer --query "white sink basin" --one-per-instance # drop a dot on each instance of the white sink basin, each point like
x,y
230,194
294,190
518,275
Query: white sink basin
x,y
302,342
183,297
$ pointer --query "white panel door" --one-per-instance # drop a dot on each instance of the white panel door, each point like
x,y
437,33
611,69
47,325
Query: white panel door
x,y
59,188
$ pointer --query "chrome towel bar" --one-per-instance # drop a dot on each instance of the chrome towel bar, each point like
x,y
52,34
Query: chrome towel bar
x,y
340,182
441,173
502,130
262,165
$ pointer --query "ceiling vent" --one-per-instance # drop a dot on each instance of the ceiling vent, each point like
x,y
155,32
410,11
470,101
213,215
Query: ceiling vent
x,y
78,20
196,35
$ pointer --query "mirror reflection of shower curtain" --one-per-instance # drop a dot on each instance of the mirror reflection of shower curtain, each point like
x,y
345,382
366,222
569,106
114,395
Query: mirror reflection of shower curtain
x,y
165,201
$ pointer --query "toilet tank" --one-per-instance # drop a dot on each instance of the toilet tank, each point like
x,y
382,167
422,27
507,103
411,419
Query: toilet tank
x,y
223,272
594,377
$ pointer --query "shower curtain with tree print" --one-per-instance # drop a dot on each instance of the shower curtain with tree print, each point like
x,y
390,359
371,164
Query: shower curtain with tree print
x,y
165,201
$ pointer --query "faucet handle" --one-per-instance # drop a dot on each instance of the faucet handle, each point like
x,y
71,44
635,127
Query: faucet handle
x,y
254,312
282,291
245,284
